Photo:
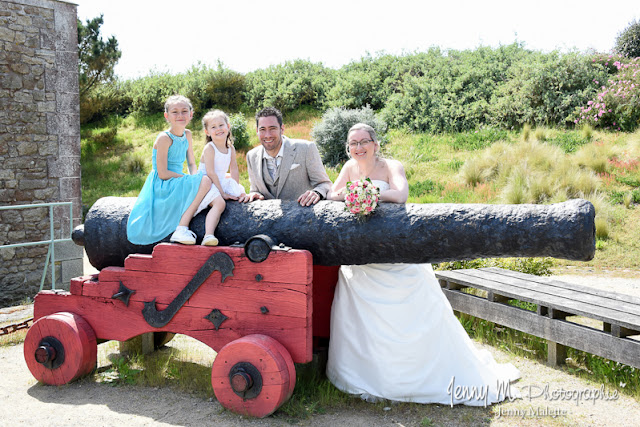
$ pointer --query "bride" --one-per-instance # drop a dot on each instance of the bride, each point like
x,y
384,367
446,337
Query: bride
x,y
393,333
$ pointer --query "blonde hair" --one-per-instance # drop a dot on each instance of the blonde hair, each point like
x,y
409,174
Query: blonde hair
x,y
176,99
212,115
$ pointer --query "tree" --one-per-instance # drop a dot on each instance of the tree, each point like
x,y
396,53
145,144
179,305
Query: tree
x,y
96,58
628,41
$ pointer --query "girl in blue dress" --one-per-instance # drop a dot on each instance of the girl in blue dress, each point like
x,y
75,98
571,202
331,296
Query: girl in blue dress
x,y
169,199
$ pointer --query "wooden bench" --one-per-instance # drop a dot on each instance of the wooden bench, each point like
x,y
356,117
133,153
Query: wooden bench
x,y
615,317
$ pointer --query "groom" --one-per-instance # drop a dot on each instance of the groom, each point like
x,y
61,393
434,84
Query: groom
x,y
283,168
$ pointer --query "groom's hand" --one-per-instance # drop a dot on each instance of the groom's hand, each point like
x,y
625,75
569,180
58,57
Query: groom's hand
x,y
308,198
244,198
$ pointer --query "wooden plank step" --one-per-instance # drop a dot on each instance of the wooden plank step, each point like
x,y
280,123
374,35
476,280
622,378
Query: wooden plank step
x,y
525,281
615,296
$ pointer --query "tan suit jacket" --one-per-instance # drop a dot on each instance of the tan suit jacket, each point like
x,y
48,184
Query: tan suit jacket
x,y
301,169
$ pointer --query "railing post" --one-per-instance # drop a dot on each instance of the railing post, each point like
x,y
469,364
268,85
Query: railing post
x,y
53,250
52,238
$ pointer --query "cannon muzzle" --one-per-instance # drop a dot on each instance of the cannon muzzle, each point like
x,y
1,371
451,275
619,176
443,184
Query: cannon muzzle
x,y
394,233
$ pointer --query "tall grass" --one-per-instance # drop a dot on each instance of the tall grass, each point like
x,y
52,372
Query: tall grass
x,y
529,172
595,156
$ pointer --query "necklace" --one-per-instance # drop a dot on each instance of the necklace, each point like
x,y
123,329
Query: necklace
x,y
366,175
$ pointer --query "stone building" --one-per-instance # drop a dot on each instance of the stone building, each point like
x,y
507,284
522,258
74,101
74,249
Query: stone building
x,y
39,142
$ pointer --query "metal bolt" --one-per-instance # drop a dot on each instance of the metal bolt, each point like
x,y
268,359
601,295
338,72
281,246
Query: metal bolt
x,y
241,381
45,353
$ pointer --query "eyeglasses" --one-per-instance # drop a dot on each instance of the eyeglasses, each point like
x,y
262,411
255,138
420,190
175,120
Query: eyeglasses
x,y
363,143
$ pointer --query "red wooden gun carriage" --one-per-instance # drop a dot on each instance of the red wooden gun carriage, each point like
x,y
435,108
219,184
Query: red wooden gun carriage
x,y
256,315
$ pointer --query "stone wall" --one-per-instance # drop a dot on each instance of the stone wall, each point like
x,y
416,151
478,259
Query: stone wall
x,y
39,142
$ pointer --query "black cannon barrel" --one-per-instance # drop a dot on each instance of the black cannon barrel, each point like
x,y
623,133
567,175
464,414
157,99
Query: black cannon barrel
x,y
395,233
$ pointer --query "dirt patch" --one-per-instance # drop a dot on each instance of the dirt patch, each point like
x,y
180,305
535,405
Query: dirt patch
x,y
550,397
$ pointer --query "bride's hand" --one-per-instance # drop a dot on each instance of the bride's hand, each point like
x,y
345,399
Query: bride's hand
x,y
337,195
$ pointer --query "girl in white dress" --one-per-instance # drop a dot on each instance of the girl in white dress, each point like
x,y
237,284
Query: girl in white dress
x,y
218,158
393,333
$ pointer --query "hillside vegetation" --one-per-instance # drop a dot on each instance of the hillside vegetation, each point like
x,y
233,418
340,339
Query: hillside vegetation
x,y
434,91
490,125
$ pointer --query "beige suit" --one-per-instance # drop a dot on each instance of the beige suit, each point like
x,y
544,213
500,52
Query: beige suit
x,y
301,169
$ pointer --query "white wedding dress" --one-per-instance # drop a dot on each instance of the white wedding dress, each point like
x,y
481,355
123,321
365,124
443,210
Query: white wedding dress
x,y
394,336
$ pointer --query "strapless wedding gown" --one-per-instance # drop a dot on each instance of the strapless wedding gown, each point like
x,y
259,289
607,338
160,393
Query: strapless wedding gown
x,y
394,336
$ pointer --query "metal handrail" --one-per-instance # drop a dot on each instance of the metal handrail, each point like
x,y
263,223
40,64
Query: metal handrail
x,y
51,252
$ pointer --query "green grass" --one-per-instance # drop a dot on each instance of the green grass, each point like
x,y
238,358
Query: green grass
x,y
13,338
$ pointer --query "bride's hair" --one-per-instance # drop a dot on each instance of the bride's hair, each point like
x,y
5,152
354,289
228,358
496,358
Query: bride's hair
x,y
372,134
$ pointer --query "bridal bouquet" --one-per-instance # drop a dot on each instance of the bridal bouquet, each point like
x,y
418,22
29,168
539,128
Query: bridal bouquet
x,y
361,198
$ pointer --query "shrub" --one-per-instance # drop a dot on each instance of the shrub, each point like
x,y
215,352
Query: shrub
x,y
205,87
448,91
148,94
210,88
545,89
628,41
372,80
617,105
105,100
288,86
535,266
330,134
239,131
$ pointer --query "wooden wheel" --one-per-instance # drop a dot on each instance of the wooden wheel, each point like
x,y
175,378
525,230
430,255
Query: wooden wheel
x,y
60,348
253,375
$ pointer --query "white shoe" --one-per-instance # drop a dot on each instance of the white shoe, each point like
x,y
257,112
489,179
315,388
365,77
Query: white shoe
x,y
209,240
183,235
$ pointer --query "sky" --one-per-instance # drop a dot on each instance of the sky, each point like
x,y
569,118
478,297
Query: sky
x,y
246,35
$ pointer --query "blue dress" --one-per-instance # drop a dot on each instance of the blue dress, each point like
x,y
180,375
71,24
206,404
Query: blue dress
x,y
161,203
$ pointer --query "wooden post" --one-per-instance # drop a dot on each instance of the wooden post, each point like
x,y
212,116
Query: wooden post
x,y
556,353
142,344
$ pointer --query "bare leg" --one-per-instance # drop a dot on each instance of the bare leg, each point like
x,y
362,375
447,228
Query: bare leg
x,y
205,185
213,216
